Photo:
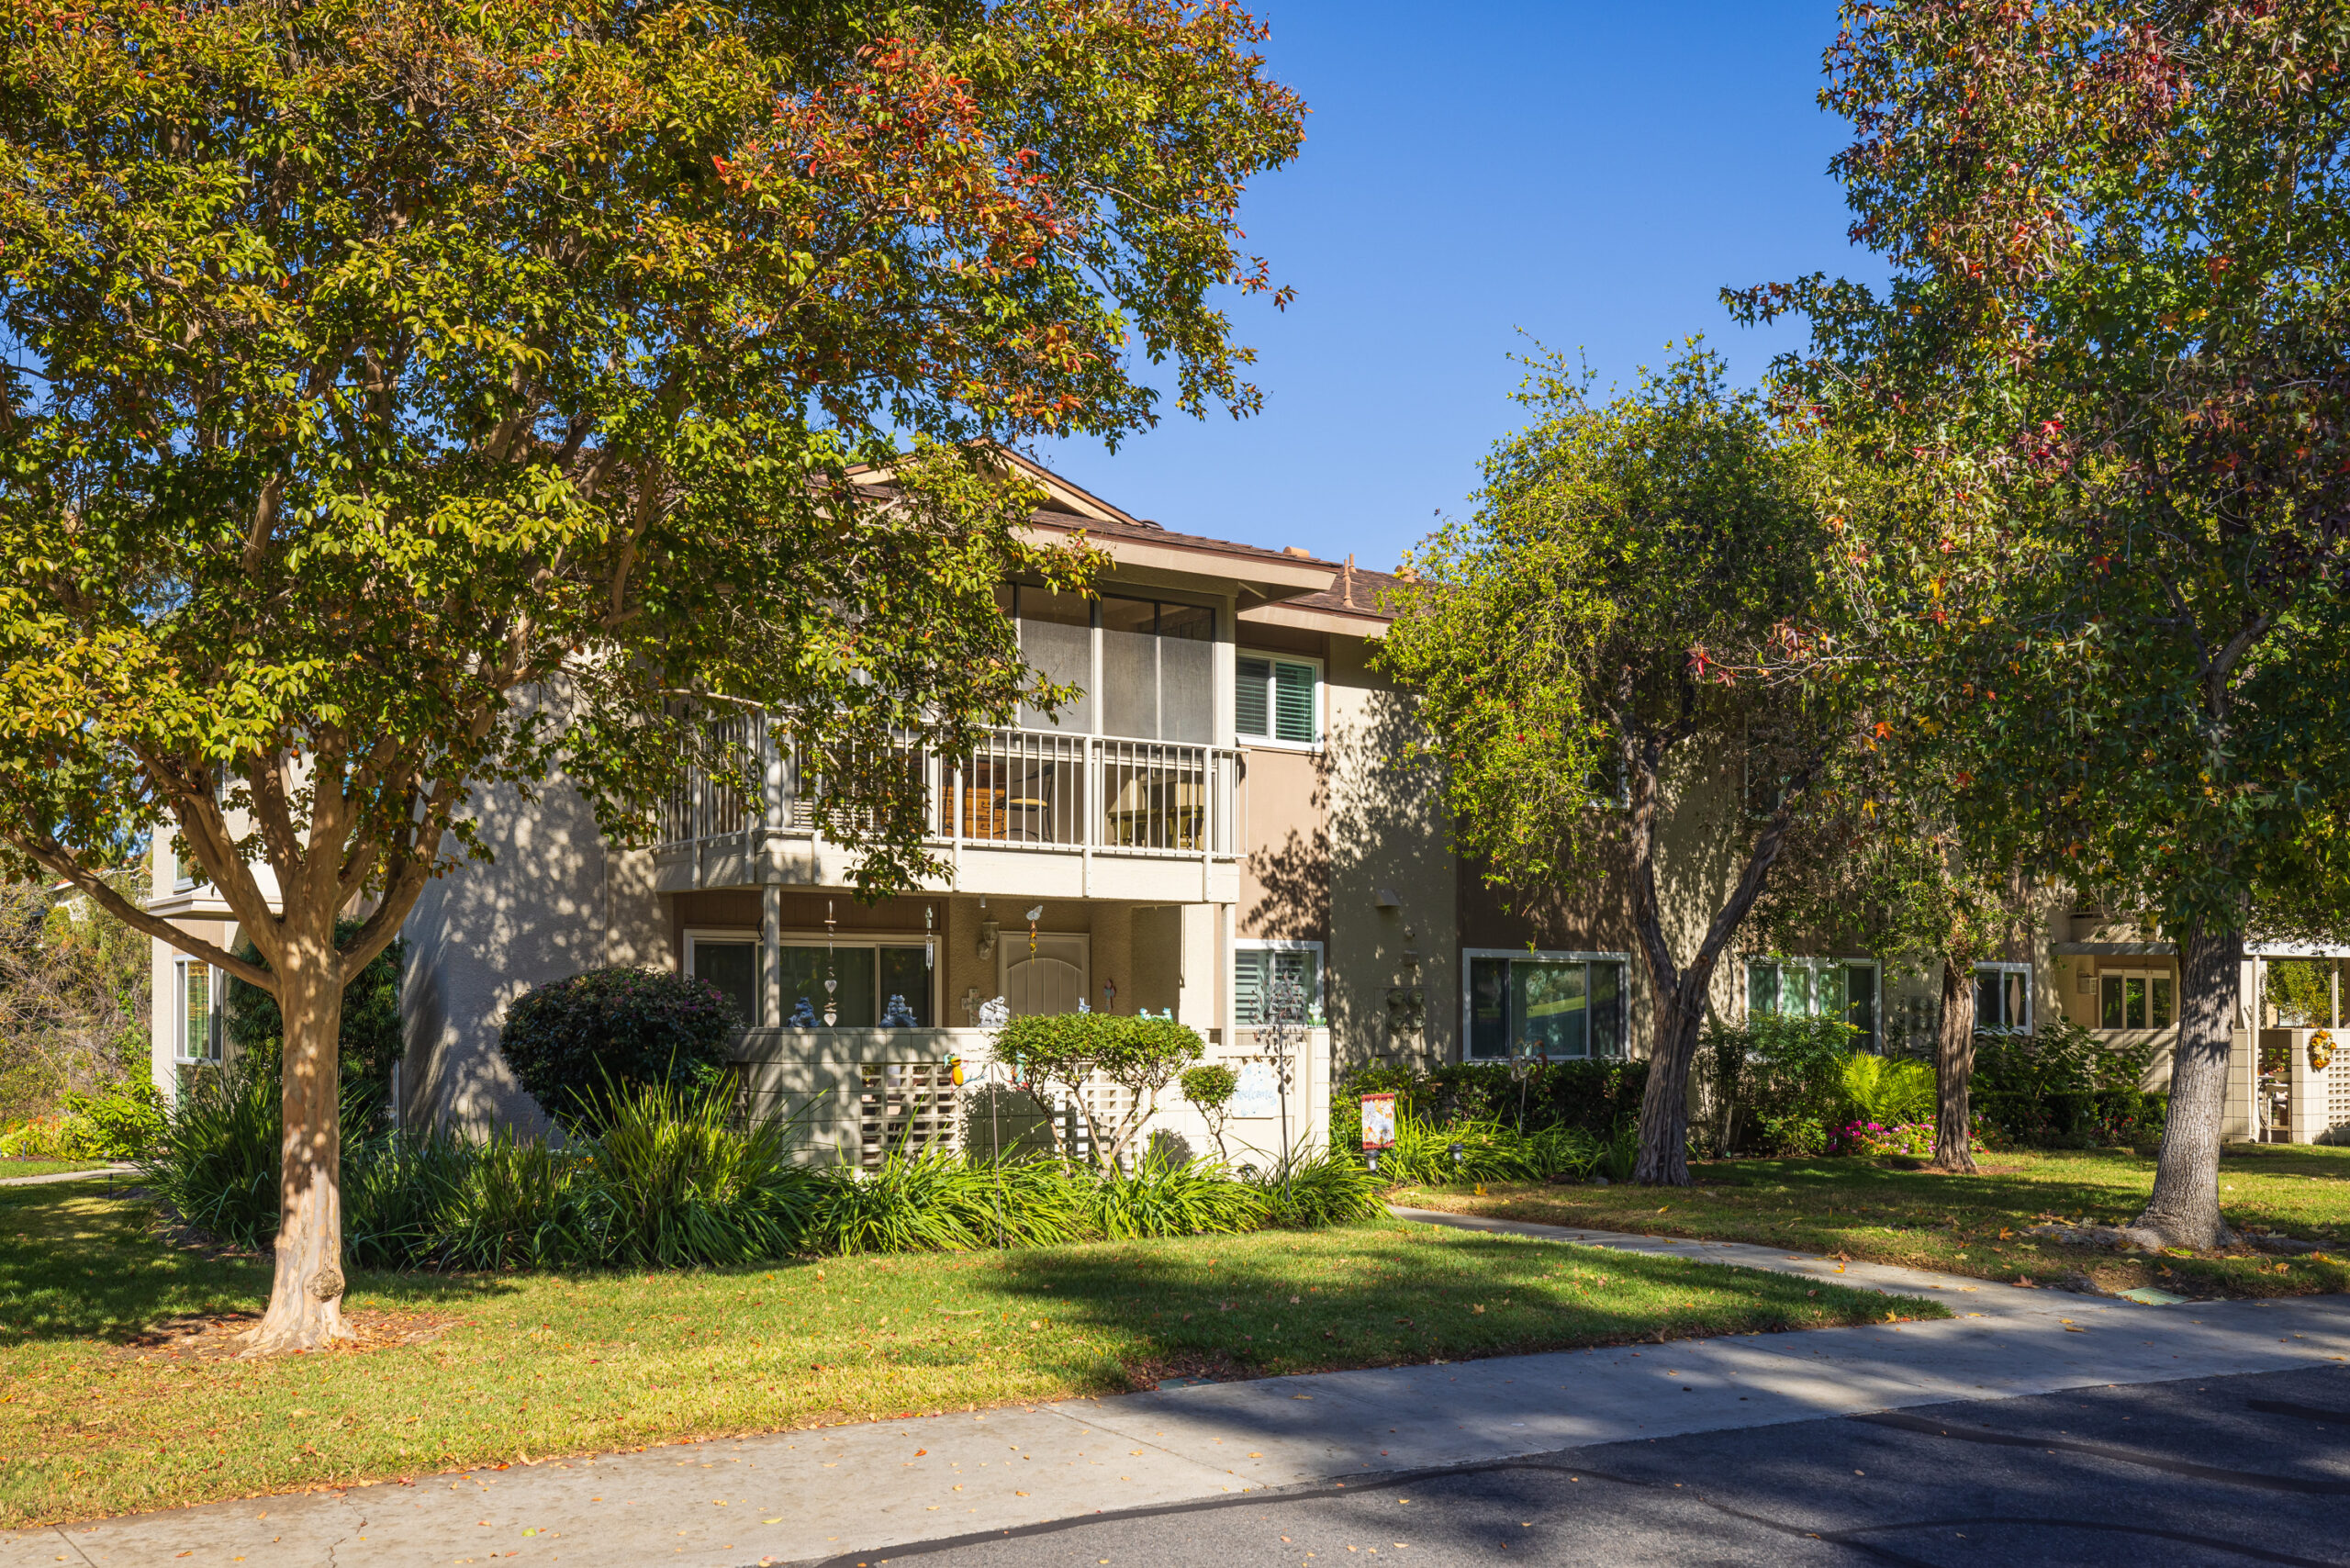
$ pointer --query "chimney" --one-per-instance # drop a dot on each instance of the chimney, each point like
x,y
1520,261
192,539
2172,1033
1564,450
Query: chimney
x,y
1346,580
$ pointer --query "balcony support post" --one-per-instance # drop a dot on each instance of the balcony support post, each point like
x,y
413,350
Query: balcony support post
x,y
770,956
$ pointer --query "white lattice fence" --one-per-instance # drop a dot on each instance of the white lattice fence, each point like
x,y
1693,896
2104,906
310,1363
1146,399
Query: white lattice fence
x,y
912,1104
918,1105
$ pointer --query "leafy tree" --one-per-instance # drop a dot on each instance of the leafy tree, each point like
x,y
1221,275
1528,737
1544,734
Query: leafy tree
x,y
2120,318
1211,1088
1872,867
1062,1052
75,1000
1628,606
418,398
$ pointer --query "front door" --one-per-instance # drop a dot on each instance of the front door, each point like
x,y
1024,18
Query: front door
x,y
1052,979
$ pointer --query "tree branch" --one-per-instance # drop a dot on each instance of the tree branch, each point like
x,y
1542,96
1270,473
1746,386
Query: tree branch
x,y
103,895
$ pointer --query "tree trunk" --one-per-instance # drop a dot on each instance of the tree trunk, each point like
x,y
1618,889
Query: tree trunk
x,y
1954,1070
306,1299
1664,1103
2184,1210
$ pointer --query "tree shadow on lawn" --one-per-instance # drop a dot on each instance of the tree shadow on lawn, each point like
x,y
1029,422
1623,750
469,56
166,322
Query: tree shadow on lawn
x,y
1386,1293
79,1265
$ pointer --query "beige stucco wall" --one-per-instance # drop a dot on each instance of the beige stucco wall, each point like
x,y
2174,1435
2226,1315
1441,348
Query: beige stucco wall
x,y
553,902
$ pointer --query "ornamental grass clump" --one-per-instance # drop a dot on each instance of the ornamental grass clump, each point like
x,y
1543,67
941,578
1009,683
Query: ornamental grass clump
x,y
672,1184
1159,1197
1464,1151
931,1200
215,1162
1319,1187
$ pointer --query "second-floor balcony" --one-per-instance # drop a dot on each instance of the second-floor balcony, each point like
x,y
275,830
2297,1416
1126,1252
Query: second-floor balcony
x,y
1024,812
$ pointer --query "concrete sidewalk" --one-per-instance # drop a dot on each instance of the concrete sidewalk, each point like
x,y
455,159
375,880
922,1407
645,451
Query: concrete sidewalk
x,y
66,1176
800,1495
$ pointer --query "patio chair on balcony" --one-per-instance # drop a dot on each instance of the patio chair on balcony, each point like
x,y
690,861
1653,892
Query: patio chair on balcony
x,y
1153,811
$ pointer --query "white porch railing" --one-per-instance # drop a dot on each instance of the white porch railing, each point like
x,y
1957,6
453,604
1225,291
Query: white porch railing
x,y
1024,789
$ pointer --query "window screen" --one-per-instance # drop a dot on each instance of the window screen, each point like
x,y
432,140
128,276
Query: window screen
x,y
1057,639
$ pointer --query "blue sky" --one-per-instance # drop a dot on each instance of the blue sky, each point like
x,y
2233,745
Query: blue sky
x,y
1591,173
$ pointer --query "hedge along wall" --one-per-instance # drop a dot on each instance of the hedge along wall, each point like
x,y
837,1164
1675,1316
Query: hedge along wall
x,y
1589,1096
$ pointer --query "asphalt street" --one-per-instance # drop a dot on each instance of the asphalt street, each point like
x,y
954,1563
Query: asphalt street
x,y
2209,1471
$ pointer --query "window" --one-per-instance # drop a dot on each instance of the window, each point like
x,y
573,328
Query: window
x,y
1144,669
729,960
196,1027
1553,1005
877,984
2003,999
1816,988
1277,700
2140,1000
1256,966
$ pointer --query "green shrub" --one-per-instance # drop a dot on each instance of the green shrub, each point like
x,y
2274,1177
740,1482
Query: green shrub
x,y
578,1043
1621,1157
2064,1086
1592,1097
515,1203
42,1138
1773,1085
1211,1088
1160,1198
121,1121
1050,1052
215,1162
1888,1091
1571,1152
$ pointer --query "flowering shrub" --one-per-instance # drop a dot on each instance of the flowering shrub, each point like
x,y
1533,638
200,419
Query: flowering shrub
x,y
1915,1139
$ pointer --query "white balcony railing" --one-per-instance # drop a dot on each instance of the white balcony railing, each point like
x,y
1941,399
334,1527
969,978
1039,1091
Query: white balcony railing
x,y
1024,789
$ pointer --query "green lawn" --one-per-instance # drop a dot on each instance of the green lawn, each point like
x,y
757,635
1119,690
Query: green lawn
x,y
46,1167
1888,1212
104,1415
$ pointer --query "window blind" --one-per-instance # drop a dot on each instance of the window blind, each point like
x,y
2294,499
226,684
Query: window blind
x,y
1275,698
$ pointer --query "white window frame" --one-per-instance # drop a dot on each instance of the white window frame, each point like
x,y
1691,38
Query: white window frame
x,y
732,934
2116,971
2030,1003
877,940
1317,1006
1321,701
1548,955
216,983
1876,984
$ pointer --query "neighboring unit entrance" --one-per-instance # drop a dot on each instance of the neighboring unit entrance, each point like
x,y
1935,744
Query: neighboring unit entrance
x,y
1052,980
